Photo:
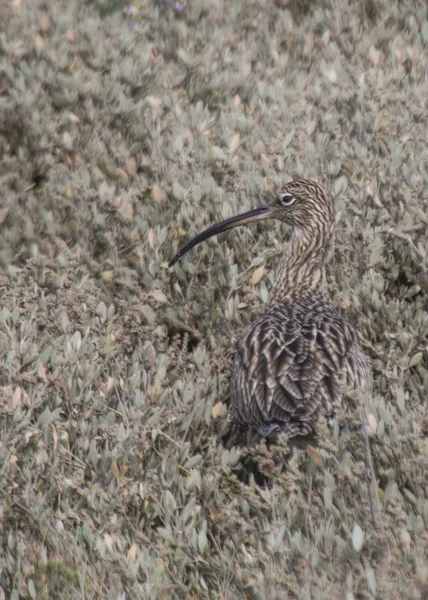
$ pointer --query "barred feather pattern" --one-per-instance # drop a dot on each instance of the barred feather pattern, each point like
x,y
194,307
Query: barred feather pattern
x,y
298,358
293,363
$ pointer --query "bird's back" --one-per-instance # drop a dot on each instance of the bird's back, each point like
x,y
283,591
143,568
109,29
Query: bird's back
x,y
293,363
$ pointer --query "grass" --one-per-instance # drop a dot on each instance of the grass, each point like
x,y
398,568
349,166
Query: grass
x,y
121,138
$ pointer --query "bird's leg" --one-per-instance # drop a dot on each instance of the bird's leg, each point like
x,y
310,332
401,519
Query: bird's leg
x,y
370,475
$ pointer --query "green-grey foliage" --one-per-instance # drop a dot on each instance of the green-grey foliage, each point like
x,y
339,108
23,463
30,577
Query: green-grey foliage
x,y
119,139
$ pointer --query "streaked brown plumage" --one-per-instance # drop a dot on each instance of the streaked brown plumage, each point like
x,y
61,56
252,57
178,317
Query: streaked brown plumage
x,y
299,357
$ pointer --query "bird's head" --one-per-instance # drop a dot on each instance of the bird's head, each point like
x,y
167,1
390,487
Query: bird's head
x,y
301,203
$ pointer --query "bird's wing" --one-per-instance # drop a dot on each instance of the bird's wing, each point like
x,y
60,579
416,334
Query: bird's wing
x,y
289,366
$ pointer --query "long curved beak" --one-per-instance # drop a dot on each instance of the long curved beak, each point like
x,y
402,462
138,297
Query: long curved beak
x,y
257,214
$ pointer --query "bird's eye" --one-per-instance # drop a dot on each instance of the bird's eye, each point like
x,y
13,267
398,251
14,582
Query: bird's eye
x,y
286,199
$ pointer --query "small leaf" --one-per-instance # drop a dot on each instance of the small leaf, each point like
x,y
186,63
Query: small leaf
x,y
67,141
416,359
328,71
16,397
401,400
178,192
149,313
372,422
246,69
3,214
234,143
390,492
328,497
108,276
357,538
374,56
109,541
178,144
218,153
157,194
279,538
378,282
340,185
170,502
202,541
264,294
316,457
44,24
77,340
217,410
32,588
132,552
127,210
405,539
131,166
154,102
257,275
101,311
45,417
151,238
159,296
115,471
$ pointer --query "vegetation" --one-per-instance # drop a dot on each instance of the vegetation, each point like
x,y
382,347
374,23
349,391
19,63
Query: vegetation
x,y
121,137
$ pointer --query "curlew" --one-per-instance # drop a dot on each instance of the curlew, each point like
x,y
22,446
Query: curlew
x,y
299,357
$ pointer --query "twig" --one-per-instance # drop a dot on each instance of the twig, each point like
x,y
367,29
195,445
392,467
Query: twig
x,y
308,530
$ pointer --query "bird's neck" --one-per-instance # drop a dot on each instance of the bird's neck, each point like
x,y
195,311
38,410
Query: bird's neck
x,y
302,273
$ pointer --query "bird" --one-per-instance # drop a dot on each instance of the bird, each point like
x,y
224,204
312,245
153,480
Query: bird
x,y
299,358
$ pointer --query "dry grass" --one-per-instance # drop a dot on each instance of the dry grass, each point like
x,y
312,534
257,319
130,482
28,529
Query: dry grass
x,y
119,140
